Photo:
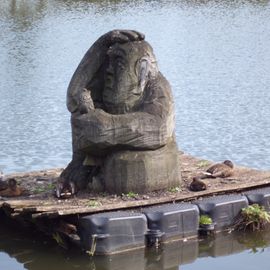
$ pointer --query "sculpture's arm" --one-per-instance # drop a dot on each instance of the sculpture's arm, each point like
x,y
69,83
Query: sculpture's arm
x,y
92,61
136,130
150,128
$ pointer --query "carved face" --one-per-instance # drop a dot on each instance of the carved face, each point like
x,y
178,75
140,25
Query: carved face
x,y
126,75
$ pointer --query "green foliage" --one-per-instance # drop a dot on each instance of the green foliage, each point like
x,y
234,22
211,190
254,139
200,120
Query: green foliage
x,y
175,189
93,203
205,220
253,217
41,189
130,195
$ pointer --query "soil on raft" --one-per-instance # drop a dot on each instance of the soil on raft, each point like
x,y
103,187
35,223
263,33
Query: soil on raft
x,y
40,190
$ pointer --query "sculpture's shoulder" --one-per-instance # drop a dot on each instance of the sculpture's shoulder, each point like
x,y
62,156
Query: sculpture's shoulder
x,y
158,87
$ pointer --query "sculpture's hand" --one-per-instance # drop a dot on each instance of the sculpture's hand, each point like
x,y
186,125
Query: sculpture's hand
x,y
122,36
93,60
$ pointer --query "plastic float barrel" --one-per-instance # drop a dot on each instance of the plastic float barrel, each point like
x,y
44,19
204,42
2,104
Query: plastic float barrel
x,y
259,196
222,209
180,220
112,232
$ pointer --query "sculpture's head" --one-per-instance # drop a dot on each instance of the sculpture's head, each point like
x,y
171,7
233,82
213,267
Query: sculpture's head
x,y
128,68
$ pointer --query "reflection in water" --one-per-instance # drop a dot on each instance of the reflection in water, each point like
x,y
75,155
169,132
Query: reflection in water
x,y
132,260
36,253
33,252
171,255
23,13
242,248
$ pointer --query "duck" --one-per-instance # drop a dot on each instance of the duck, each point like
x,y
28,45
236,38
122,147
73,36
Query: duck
x,y
223,170
10,188
197,184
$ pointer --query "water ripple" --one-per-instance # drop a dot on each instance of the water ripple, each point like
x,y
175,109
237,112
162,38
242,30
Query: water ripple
x,y
216,55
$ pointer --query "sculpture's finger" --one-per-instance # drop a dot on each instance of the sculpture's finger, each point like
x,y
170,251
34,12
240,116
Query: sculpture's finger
x,y
140,35
132,35
123,36
117,36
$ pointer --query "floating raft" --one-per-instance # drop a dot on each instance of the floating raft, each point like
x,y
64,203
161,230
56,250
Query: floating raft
x,y
41,202
82,220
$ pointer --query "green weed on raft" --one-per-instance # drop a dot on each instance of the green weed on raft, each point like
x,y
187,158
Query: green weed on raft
x,y
253,217
205,220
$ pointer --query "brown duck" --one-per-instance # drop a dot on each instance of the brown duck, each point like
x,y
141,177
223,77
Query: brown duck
x,y
221,170
10,188
197,184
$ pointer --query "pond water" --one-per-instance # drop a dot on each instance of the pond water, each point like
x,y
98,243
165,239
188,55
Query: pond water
x,y
216,55
19,251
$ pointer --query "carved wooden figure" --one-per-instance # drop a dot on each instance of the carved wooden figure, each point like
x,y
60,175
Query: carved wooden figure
x,y
122,117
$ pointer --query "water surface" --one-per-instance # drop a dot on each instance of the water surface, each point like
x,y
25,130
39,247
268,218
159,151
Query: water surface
x,y
215,54
20,251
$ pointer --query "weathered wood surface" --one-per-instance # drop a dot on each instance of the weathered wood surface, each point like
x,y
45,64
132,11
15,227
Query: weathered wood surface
x,y
122,118
46,205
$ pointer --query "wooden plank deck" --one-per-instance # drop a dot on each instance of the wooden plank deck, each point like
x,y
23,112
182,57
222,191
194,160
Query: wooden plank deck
x,y
41,203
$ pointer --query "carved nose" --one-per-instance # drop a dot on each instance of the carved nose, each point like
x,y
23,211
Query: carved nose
x,y
109,69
